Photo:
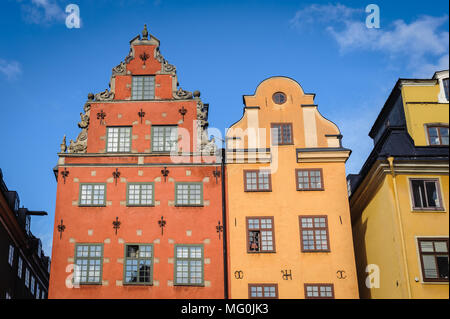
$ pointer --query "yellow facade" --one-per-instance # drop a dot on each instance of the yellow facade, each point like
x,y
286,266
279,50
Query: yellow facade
x,y
387,225
315,145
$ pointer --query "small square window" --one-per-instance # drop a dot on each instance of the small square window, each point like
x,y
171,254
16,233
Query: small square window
x,y
263,291
426,194
118,139
143,87
319,291
88,263
138,268
140,194
314,233
189,265
434,259
189,194
92,194
309,179
164,138
257,181
281,133
260,234
438,135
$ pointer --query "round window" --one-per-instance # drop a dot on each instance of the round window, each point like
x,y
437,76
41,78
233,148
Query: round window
x,y
279,98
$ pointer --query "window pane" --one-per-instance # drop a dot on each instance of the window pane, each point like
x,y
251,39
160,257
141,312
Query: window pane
x,y
418,189
432,195
429,265
444,135
442,264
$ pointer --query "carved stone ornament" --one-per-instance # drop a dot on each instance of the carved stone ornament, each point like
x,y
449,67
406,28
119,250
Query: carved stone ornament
x,y
119,69
80,144
63,145
181,94
104,96
166,67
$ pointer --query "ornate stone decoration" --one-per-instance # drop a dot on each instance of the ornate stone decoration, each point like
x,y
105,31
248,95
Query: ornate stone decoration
x,y
166,67
119,69
145,33
63,145
181,94
104,96
80,144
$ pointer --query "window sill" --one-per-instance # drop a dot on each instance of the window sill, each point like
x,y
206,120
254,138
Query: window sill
x,y
261,252
316,251
152,205
425,210
184,205
310,189
137,284
91,205
189,285
257,191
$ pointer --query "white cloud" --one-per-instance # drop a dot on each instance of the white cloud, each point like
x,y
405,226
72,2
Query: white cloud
x,y
11,69
317,13
422,44
43,12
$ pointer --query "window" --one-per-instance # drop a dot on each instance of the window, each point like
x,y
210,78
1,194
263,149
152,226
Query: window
x,y
140,194
27,277
279,98
92,194
260,234
319,291
138,264
281,133
118,139
8,295
426,194
309,179
143,88
19,267
446,89
314,233
189,265
89,262
43,294
438,135
164,139
32,285
262,291
11,255
434,258
189,194
257,181
38,292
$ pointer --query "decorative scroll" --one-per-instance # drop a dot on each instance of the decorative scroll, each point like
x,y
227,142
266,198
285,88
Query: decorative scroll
x,y
181,94
104,96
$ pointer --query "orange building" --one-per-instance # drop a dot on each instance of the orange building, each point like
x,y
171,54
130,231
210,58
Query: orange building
x,y
139,198
288,215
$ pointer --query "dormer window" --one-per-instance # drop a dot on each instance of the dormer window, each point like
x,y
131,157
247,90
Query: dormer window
x,y
143,87
445,84
437,135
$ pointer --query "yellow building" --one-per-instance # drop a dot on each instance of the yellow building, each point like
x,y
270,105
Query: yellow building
x,y
289,230
399,200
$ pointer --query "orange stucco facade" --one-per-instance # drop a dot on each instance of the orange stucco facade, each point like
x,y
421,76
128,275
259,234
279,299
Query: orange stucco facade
x,y
89,161
280,258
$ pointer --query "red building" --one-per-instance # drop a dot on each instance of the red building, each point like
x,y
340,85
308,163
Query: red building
x,y
139,194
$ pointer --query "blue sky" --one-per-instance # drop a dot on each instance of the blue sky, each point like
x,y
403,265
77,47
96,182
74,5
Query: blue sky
x,y
223,49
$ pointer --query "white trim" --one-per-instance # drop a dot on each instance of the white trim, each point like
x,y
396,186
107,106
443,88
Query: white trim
x,y
439,181
441,76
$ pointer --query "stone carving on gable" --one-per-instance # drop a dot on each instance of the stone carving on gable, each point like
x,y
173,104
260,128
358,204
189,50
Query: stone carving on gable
x,y
206,145
181,94
166,67
80,144
119,69
104,96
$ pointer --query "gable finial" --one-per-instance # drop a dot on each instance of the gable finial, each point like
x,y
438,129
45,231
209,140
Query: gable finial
x,y
145,32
